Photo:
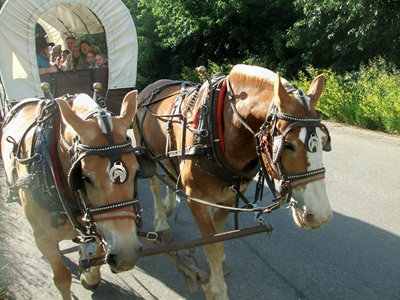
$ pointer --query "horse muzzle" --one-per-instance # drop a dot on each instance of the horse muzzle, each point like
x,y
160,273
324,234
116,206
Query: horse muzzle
x,y
311,221
124,260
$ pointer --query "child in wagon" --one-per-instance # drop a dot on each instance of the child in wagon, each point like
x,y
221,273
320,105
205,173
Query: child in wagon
x,y
101,60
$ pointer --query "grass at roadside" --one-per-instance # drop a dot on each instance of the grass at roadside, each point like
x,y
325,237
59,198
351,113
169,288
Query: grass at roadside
x,y
368,98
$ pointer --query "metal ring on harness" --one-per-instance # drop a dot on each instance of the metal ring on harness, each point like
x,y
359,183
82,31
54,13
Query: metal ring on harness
x,y
187,113
204,133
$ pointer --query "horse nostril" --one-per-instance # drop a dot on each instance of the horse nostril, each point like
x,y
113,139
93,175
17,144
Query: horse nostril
x,y
111,260
309,218
312,221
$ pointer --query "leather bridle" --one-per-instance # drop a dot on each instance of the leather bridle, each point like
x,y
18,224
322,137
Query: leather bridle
x,y
118,174
271,144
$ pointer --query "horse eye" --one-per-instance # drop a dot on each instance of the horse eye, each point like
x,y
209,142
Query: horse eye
x,y
289,146
87,179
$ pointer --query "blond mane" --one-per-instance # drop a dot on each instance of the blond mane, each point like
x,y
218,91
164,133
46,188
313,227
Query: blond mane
x,y
85,103
257,74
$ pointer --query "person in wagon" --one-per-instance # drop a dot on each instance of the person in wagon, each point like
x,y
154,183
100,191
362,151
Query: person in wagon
x,y
64,56
95,49
71,43
84,48
42,56
56,54
91,59
77,62
101,60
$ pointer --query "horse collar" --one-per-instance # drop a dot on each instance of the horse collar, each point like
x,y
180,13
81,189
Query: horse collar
x,y
210,120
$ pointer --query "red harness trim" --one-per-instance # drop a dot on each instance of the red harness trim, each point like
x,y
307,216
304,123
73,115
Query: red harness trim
x,y
220,115
196,118
115,214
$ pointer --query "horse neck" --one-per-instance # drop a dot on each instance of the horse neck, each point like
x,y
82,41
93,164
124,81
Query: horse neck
x,y
252,104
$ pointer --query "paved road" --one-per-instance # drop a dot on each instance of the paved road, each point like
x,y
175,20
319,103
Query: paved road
x,y
355,256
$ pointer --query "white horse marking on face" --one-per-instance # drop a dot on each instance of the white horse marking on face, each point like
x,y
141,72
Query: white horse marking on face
x,y
312,198
313,142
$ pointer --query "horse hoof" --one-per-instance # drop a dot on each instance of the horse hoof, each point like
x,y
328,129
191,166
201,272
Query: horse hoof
x,y
90,287
225,268
167,237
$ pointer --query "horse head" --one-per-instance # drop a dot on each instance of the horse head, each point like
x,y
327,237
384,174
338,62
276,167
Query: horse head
x,y
103,174
299,139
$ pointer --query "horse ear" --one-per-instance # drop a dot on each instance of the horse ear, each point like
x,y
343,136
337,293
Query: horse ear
x,y
128,108
315,90
70,117
280,91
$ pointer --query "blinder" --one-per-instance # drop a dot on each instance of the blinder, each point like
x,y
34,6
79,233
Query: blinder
x,y
118,172
75,181
147,165
311,142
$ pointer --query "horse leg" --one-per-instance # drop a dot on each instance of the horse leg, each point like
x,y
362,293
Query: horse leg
x,y
51,251
216,289
160,216
170,200
91,277
219,217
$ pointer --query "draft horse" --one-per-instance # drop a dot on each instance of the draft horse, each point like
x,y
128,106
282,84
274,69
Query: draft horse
x,y
212,138
73,168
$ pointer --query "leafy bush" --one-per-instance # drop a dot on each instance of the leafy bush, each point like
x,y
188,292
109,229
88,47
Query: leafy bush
x,y
367,98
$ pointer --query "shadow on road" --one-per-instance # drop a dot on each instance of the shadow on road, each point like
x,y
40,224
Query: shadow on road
x,y
347,259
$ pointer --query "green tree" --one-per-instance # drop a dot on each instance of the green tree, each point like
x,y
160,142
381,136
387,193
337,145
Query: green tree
x,y
153,60
341,34
222,31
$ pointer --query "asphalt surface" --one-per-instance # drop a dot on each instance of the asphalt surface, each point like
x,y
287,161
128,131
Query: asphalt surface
x,y
355,256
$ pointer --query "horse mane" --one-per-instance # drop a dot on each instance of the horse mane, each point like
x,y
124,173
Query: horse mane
x,y
84,103
257,75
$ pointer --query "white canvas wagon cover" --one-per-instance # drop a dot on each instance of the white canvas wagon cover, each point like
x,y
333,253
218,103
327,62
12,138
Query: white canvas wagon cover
x,y
60,18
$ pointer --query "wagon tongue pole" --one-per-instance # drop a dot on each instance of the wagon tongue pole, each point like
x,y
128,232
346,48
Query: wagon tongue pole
x,y
46,89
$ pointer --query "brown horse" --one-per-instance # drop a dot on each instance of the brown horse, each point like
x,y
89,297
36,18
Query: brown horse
x,y
221,137
100,183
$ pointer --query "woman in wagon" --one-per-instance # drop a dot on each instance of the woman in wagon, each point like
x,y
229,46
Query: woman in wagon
x,y
84,48
77,61
42,56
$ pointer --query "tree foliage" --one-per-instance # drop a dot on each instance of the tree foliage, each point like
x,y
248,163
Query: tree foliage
x,y
341,34
193,32
282,36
